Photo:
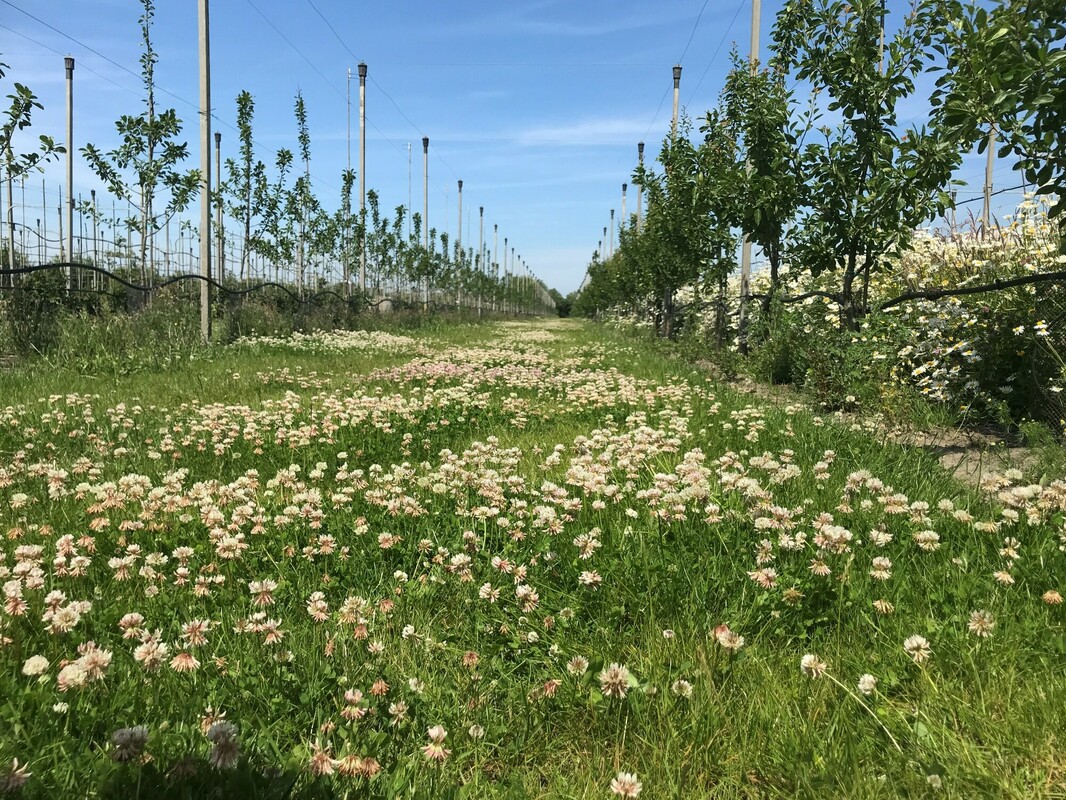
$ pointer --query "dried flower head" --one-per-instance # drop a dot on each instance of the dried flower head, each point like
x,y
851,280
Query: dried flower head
x,y
917,647
812,666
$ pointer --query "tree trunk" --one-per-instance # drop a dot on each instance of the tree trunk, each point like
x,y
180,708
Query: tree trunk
x,y
247,230
773,254
720,316
146,203
668,313
848,319
866,270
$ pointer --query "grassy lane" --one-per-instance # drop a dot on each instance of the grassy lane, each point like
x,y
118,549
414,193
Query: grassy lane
x,y
507,560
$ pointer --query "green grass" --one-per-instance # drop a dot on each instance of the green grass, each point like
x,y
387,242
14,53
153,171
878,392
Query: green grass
x,y
438,445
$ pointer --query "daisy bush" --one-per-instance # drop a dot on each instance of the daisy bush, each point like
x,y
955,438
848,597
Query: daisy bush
x,y
991,355
519,560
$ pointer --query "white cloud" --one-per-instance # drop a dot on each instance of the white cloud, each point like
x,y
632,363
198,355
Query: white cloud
x,y
608,130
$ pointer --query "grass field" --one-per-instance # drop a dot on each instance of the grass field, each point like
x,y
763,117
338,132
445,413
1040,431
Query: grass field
x,y
506,560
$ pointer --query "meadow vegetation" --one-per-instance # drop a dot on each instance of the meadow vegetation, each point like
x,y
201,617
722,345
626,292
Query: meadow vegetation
x,y
505,560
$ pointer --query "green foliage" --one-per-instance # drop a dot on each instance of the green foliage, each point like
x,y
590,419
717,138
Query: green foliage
x,y
32,312
150,153
867,184
765,187
17,117
275,239
684,237
1005,69
244,176
563,305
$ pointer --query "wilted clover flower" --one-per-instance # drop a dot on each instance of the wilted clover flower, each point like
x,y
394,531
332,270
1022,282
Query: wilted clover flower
x,y
435,750
226,749
812,666
129,743
981,623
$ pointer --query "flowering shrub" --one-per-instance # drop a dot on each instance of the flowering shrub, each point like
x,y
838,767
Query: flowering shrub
x,y
993,354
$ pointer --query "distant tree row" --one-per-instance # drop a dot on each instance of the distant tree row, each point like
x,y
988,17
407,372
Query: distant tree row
x,y
279,218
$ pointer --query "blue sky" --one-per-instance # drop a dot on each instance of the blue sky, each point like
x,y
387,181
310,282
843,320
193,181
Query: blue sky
x,y
537,106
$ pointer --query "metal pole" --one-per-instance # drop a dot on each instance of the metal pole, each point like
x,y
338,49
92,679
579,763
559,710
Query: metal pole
x,y
610,243
480,253
640,187
44,218
745,248
205,170
425,217
219,234
881,45
677,92
62,254
459,252
9,266
624,187
96,256
11,223
362,174
69,63
349,104
495,261
11,218
347,195
409,210
986,212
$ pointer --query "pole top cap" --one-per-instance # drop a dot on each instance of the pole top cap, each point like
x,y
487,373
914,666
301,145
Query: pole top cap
x,y
640,148
677,73
362,69
218,137
69,62
425,142
460,184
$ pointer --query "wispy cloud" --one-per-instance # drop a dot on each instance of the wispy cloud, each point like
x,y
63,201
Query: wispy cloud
x,y
582,133
488,94
545,19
